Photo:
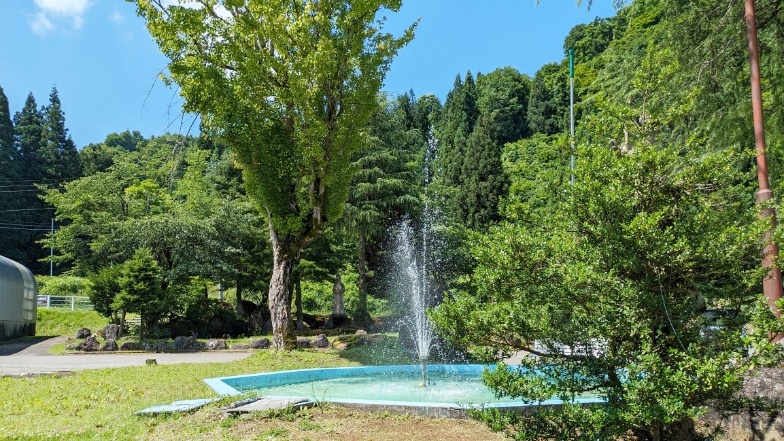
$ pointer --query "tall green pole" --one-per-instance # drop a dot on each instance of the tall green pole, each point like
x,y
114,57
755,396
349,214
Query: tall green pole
x,y
571,110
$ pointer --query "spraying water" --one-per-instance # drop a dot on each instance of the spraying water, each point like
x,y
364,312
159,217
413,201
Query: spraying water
x,y
413,270
414,285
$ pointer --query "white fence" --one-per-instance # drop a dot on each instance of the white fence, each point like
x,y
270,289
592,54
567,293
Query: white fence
x,y
71,302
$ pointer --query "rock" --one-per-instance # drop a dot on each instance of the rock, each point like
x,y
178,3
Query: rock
x,y
263,343
239,347
130,346
84,333
151,362
186,343
216,344
376,338
111,331
361,332
339,345
109,346
149,347
321,341
90,344
303,342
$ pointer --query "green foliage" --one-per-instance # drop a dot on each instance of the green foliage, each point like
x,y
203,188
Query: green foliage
x,y
548,106
613,285
140,288
63,285
105,286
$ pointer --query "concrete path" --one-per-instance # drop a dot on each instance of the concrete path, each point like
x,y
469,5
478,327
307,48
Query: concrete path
x,y
31,356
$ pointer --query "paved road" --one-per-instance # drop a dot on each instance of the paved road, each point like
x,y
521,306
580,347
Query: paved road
x,y
31,356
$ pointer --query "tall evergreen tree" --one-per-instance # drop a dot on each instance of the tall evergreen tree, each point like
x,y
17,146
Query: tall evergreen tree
x,y
548,103
8,153
484,182
29,136
9,176
502,98
31,224
59,146
385,185
455,126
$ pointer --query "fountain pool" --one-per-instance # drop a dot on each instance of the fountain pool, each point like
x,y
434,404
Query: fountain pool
x,y
455,388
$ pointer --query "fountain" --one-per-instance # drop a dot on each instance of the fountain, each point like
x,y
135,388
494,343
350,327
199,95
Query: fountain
x,y
413,282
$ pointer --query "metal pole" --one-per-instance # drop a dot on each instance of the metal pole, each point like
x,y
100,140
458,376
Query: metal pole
x,y
51,251
771,285
571,111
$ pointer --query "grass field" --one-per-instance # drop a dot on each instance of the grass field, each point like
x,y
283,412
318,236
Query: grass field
x,y
53,321
100,404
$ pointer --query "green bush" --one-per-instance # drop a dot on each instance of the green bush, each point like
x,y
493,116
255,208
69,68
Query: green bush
x,y
63,285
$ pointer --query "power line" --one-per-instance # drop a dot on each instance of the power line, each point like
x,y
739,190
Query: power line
x,y
23,229
26,209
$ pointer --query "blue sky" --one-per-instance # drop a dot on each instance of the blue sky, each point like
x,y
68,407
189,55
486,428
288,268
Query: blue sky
x,y
105,65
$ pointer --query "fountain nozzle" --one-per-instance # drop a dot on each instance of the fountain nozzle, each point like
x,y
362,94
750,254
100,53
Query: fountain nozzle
x,y
423,368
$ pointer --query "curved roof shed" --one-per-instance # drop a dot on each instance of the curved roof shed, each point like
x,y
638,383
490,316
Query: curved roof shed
x,y
18,296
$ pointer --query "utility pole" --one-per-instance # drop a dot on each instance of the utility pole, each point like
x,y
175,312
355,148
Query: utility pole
x,y
51,251
771,285
571,110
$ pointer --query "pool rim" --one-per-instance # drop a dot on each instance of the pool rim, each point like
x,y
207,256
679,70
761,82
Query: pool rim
x,y
222,386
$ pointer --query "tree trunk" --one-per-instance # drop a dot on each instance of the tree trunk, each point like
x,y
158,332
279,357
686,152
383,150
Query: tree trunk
x,y
238,296
283,259
298,302
363,317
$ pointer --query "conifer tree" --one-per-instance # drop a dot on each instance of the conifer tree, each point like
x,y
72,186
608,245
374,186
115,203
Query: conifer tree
x,y
457,121
59,147
9,175
29,135
29,225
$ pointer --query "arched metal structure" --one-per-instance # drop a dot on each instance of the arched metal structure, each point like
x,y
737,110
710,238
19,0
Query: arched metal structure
x,y
18,300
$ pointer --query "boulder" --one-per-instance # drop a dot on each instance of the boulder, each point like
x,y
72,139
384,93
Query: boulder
x,y
339,345
263,343
111,331
361,332
109,346
216,344
90,344
303,342
84,333
239,347
186,343
130,346
321,341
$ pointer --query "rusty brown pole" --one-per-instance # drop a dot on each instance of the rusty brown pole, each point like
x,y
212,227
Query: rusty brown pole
x,y
771,285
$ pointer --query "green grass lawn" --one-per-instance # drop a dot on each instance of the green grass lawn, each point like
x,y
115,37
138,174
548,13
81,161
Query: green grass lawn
x,y
54,322
100,405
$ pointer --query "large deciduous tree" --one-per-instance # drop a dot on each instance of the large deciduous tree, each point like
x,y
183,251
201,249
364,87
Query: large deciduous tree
x,y
289,85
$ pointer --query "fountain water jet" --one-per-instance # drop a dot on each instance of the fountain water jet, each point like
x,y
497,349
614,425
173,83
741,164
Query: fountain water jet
x,y
413,283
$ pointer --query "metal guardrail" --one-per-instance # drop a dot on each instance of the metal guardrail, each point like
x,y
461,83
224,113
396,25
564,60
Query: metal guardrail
x,y
67,302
